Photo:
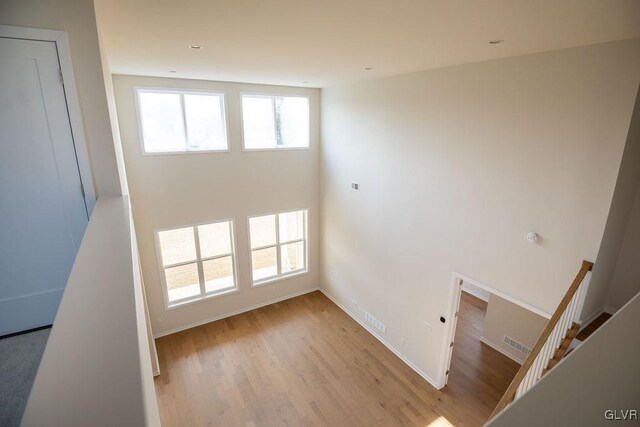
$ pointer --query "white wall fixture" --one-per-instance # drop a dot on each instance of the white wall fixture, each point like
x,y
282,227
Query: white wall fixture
x,y
532,237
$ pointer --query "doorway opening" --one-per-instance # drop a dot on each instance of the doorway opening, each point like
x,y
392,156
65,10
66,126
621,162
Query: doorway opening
x,y
489,336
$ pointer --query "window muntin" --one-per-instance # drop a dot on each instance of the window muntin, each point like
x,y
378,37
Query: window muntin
x,y
197,261
278,245
275,122
175,121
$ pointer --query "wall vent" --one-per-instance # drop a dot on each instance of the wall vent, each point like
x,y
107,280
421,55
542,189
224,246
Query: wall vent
x,y
375,323
517,345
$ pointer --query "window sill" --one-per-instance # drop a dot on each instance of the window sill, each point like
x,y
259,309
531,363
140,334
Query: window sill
x,y
200,298
276,149
274,279
177,153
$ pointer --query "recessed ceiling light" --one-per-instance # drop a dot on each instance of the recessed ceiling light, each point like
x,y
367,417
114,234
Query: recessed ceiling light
x,y
305,82
496,41
172,71
368,68
195,46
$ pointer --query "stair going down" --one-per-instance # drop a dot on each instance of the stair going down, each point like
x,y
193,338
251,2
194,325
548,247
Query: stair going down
x,y
563,350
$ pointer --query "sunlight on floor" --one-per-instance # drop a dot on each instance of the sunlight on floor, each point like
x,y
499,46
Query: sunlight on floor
x,y
440,422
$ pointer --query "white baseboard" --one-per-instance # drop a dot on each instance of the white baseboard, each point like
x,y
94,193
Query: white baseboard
x,y
610,310
24,312
382,340
500,350
233,313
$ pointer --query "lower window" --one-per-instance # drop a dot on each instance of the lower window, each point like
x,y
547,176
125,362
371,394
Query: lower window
x,y
197,261
278,245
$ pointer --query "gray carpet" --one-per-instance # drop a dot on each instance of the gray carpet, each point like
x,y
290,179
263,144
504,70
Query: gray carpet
x,y
19,360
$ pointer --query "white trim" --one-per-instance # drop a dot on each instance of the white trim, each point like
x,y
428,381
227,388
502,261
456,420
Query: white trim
x,y
29,33
502,295
76,122
272,95
454,295
181,92
446,352
610,310
279,276
500,350
203,296
259,248
274,279
234,313
382,340
276,219
473,292
74,111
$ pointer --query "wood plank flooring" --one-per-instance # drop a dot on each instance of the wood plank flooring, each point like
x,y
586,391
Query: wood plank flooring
x,y
305,362
479,374
593,326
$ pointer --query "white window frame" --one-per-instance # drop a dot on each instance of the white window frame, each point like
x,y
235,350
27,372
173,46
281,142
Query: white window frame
x,y
273,95
182,92
199,262
280,276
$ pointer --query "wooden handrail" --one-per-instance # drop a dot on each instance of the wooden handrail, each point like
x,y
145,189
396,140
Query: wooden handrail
x,y
509,395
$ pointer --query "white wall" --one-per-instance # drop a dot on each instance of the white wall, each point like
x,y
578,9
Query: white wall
x,y
531,143
625,282
617,223
506,318
111,99
77,18
175,190
96,370
601,374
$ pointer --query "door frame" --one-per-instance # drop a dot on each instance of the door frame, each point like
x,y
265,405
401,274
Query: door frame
x,y
61,41
455,293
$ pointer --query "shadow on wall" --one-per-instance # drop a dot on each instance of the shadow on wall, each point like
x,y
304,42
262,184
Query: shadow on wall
x,y
617,267
508,328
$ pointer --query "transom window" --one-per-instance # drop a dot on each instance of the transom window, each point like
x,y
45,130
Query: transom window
x,y
174,121
197,262
278,245
275,122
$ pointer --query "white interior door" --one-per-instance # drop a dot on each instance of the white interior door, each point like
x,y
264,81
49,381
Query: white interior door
x,y
454,324
42,208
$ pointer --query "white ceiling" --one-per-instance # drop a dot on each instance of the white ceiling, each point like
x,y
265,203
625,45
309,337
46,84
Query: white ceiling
x,y
328,42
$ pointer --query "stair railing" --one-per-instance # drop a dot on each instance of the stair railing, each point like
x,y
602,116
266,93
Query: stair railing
x,y
532,369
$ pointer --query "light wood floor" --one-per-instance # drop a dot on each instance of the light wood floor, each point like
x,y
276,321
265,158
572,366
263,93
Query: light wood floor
x,y
479,374
305,362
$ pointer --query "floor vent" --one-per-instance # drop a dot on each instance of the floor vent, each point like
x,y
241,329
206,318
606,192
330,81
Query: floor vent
x,y
517,345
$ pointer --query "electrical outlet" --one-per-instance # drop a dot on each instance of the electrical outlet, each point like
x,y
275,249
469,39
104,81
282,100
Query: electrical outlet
x,y
158,319
403,341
